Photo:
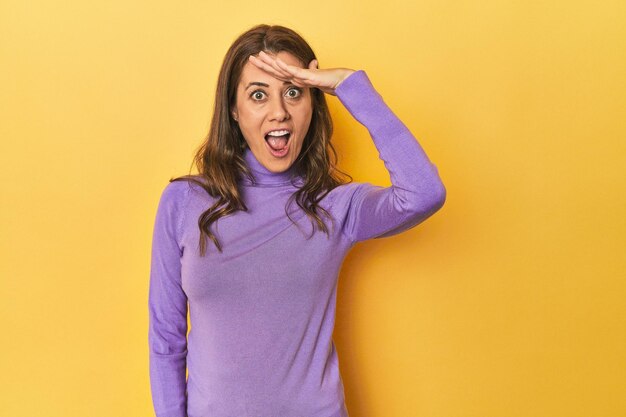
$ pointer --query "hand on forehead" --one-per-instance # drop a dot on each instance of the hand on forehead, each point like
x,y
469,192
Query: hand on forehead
x,y
284,66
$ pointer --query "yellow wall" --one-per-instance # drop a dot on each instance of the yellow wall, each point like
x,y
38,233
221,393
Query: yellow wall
x,y
507,302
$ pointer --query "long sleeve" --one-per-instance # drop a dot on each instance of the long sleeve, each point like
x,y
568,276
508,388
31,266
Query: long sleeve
x,y
167,335
416,192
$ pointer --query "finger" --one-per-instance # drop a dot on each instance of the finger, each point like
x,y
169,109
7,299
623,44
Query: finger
x,y
272,62
302,76
301,73
299,84
285,66
260,63
267,68
294,70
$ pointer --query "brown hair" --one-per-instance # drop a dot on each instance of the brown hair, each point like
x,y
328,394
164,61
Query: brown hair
x,y
220,159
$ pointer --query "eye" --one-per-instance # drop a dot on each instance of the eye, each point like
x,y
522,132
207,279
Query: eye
x,y
255,93
297,90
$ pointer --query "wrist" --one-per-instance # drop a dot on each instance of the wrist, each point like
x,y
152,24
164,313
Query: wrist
x,y
345,75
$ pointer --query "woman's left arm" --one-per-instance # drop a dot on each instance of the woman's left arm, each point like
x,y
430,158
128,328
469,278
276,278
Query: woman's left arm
x,y
416,192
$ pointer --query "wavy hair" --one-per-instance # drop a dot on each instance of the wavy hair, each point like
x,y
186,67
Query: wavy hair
x,y
219,159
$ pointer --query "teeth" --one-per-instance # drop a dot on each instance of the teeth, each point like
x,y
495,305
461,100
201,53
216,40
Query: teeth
x,y
278,132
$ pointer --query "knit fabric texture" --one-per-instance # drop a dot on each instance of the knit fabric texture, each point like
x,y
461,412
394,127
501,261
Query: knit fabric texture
x,y
262,312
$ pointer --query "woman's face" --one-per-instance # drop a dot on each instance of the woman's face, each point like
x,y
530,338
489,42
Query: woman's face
x,y
266,104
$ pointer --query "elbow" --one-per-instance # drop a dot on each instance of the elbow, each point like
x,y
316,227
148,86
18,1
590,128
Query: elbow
x,y
439,197
436,199
425,202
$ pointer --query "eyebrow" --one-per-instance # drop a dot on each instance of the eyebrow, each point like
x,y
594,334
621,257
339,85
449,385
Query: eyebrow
x,y
263,84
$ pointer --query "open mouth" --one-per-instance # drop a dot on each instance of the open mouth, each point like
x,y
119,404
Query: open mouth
x,y
278,145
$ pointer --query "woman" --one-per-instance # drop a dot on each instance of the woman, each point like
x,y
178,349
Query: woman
x,y
262,296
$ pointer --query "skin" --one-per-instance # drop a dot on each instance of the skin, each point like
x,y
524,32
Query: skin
x,y
259,109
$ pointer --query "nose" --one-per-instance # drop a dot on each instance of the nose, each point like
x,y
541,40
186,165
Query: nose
x,y
278,110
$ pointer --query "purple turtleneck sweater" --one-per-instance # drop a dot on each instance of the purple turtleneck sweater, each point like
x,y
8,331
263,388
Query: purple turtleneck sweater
x,y
262,312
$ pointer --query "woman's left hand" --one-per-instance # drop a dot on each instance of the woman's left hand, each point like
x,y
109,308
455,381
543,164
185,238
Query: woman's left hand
x,y
326,80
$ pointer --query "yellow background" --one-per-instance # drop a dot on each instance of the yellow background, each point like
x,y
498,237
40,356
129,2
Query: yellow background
x,y
510,301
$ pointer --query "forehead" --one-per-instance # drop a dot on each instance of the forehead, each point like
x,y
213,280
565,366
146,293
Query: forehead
x,y
251,72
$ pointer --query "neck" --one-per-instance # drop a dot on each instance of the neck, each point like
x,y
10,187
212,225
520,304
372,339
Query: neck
x,y
264,176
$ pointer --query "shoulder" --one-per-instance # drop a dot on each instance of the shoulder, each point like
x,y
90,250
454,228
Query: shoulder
x,y
175,190
185,190
174,195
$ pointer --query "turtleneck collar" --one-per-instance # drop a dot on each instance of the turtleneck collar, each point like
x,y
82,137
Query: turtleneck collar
x,y
262,175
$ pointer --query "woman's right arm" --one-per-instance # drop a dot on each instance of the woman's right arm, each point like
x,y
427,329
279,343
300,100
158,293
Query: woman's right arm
x,y
167,305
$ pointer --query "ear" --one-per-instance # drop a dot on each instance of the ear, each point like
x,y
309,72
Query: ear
x,y
234,114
